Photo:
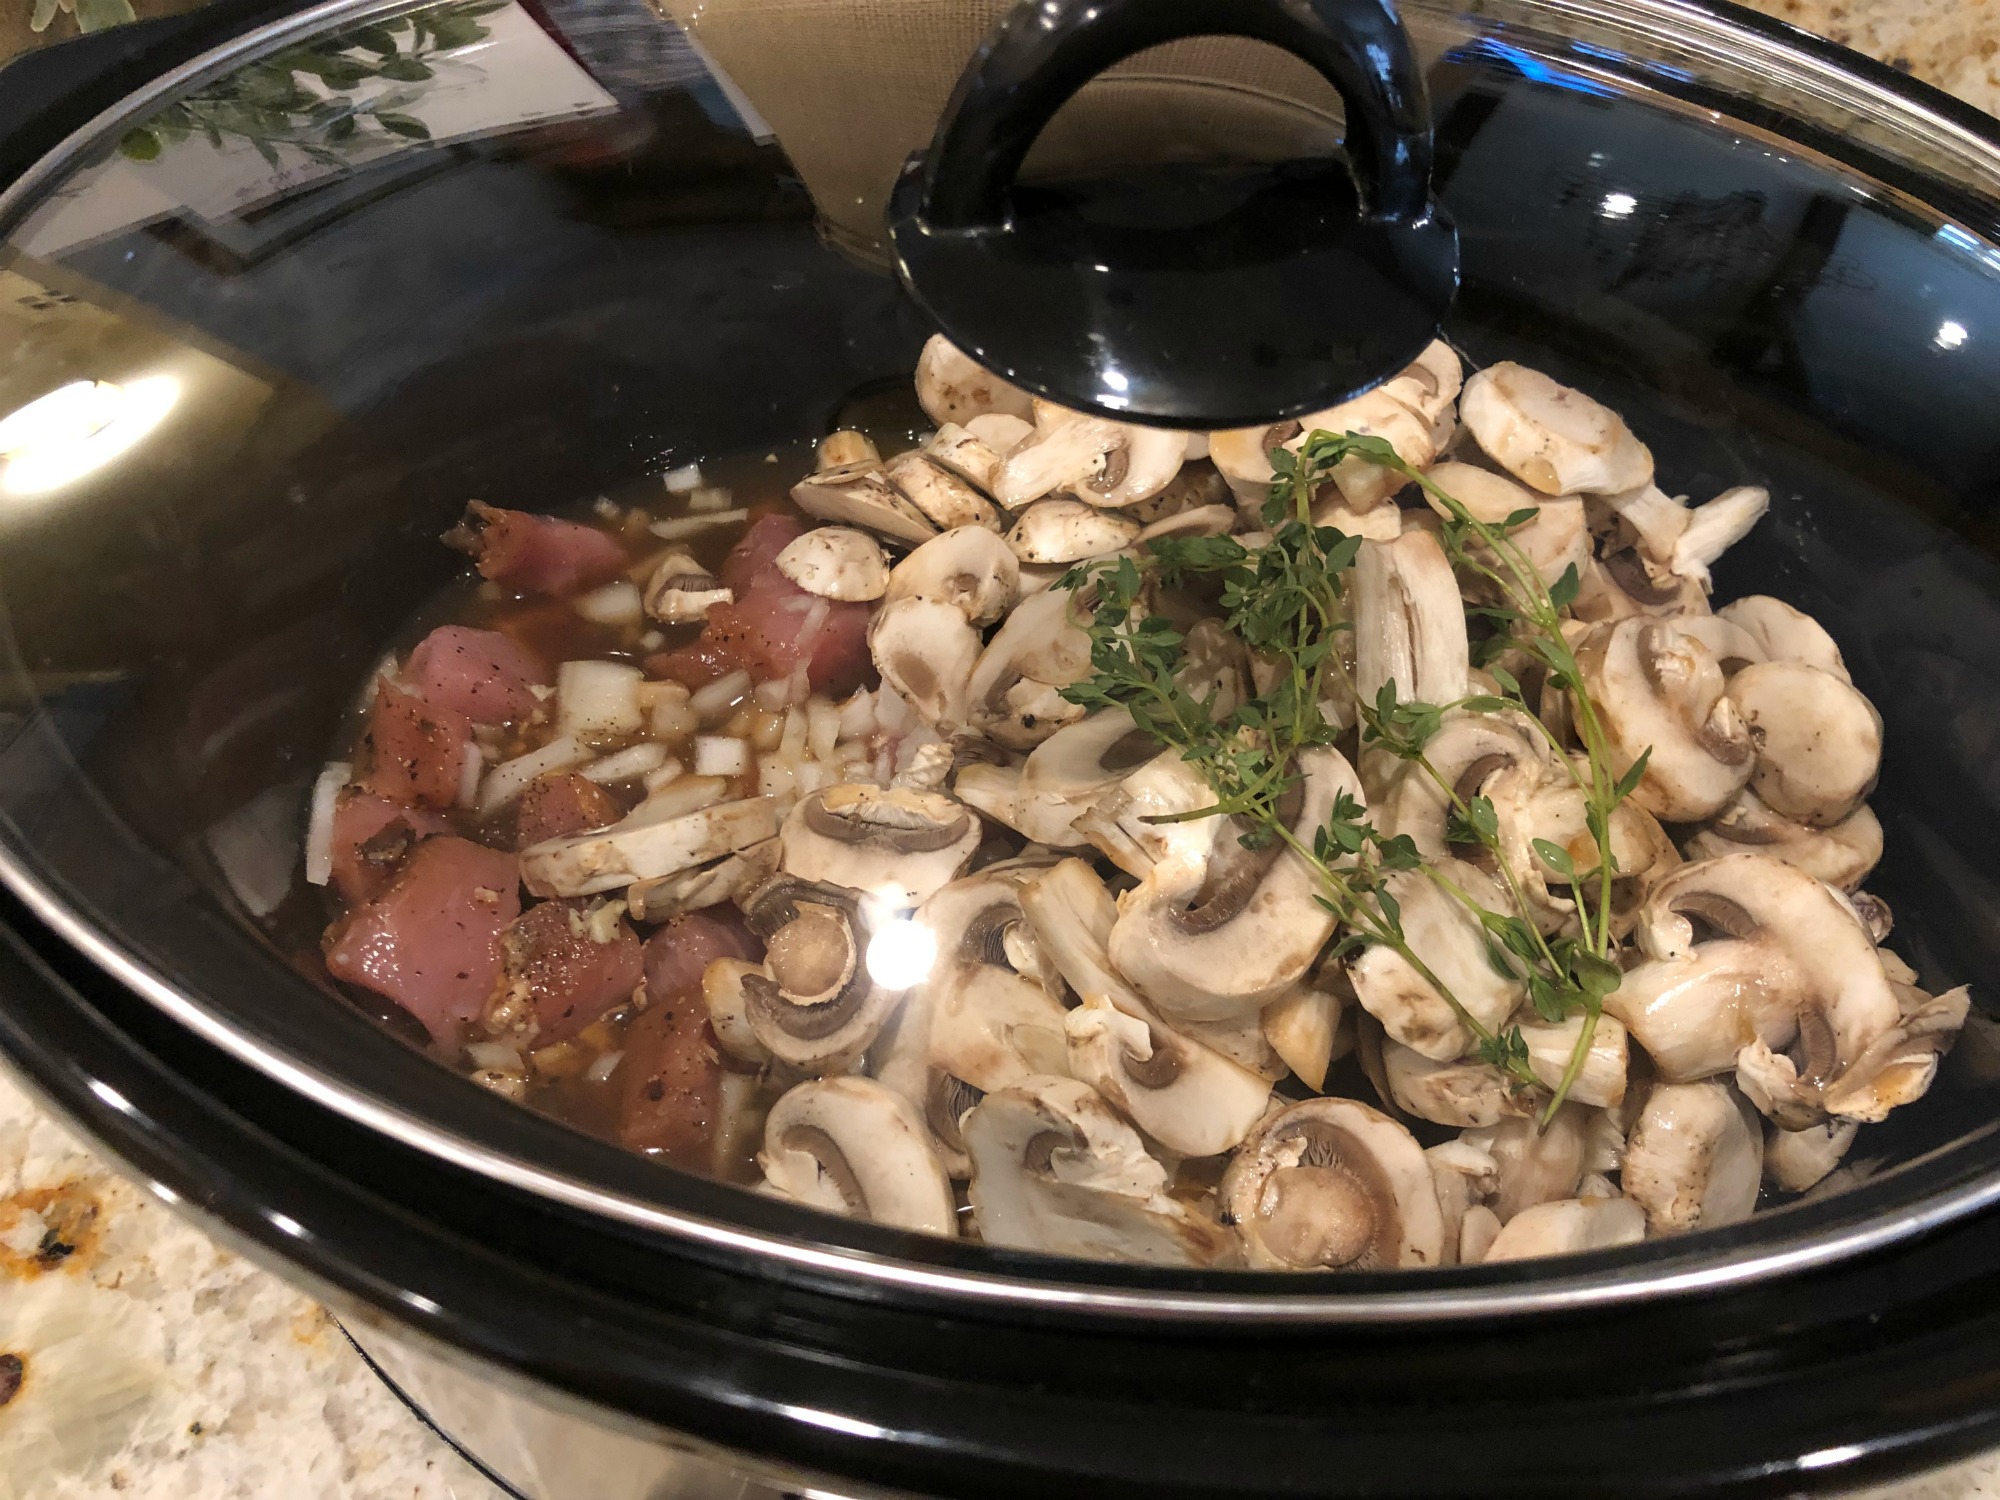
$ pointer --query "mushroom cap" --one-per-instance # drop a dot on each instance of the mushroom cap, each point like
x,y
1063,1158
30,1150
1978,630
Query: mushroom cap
x,y
1054,1169
1409,621
1694,1158
1361,485
1556,539
1716,526
1140,824
1462,1093
969,567
1819,742
945,498
1606,1067
1778,956
1428,384
897,844
1304,1027
1330,1184
1066,774
1452,944
729,1008
1013,694
991,1025
861,495
639,849
1841,854
953,387
926,650
1797,1160
1786,634
1658,688
1110,464
1533,1165
1221,937
836,562
1550,437
1064,530
1568,1227
1467,752
856,1148
680,590
812,1003
963,452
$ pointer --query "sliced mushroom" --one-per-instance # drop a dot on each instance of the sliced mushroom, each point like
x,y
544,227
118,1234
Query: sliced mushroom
x,y
1226,936
1110,464
1550,437
1409,622
1428,384
1014,694
729,1009
839,449
1606,1066
853,1147
1450,942
1841,854
812,1003
1733,647
1568,1227
836,562
1141,824
1331,1184
1796,1160
1555,540
1694,1158
1003,432
941,495
1746,948
680,591
898,844
861,495
1464,1177
1054,1169
1068,772
1067,531
1657,689
1819,742
1533,1165
1897,1069
1786,634
1363,486
1462,1093
726,879
992,1026
1186,1096
1467,752
926,650
1304,1028
970,568
953,387
1643,519
586,863
1713,528
963,452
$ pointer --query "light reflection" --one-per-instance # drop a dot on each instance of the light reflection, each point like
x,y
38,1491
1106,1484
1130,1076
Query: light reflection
x,y
286,1224
1618,205
900,953
112,1097
1950,334
77,429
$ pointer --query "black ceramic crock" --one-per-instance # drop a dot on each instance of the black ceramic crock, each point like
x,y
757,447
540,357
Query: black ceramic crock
x,y
1781,262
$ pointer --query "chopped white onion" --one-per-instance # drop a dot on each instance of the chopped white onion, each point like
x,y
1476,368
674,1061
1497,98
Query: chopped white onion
x,y
720,755
772,695
682,526
680,481
606,508
792,743
678,798
666,771
319,823
720,696
892,711
601,1070
598,699
652,640
857,716
822,728
468,775
614,604
638,760
500,1057
710,497
510,778
775,777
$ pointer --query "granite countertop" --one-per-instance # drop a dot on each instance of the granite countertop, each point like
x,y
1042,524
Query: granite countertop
x,y
159,1364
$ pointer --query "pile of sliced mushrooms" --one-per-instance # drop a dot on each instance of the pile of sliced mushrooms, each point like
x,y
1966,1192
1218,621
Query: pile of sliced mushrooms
x,y
998,1001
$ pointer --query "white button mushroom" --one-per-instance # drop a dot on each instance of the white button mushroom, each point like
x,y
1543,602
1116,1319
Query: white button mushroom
x,y
1461,1093
961,451
1069,531
836,562
1842,854
1796,1160
992,1026
680,591
941,495
1715,527
1452,944
1065,775
1606,1066
970,568
1306,1029
813,1003
1819,742
839,449
1568,1227
1550,437
926,651
1054,1169
1109,464
861,495
1694,1158
1331,1184
1786,634
853,1147
1014,693
586,863
1533,1165
953,387
896,844
1409,622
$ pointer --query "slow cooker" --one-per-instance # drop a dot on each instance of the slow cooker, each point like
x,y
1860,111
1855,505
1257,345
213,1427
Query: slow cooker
x,y
590,243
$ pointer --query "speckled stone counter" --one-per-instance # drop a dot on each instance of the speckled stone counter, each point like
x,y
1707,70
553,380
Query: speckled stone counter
x,y
140,1359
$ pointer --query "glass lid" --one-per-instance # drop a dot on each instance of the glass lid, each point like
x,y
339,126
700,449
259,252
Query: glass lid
x,y
518,629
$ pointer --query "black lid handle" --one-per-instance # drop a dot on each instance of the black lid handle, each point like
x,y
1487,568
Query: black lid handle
x,y
1194,296
1045,50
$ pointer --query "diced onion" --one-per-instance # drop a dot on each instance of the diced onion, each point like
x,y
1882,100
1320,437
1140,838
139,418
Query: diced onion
x,y
319,824
775,777
680,481
626,764
598,699
607,1064
710,497
857,716
720,755
510,778
468,775
792,743
773,695
678,798
682,526
606,508
822,728
892,711
720,696
667,770
614,604
500,1057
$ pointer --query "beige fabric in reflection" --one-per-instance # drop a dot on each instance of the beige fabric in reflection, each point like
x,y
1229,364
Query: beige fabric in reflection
x,y
851,87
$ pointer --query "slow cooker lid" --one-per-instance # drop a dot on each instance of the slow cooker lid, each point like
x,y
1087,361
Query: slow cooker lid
x,y
285,368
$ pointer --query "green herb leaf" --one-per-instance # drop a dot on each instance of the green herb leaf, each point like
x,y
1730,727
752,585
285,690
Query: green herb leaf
x,y
1555,857
1562,593
407,126
1629,782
